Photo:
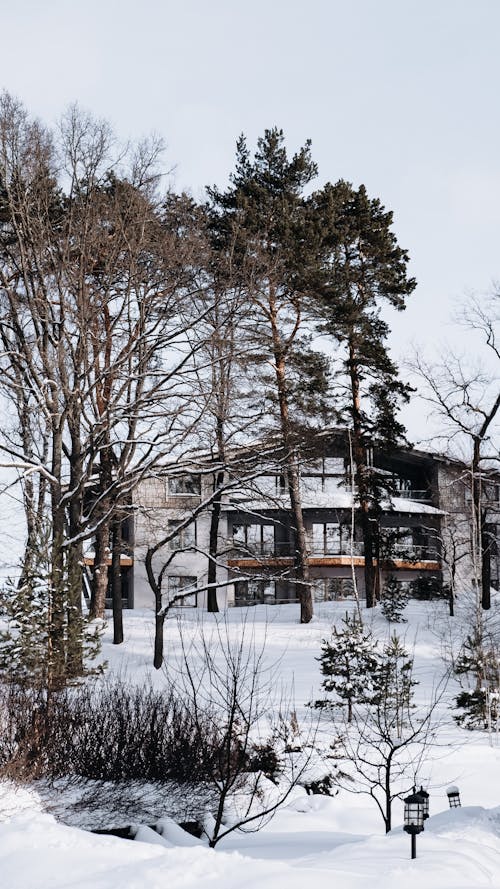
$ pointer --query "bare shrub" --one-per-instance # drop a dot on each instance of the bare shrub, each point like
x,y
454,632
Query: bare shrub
x,y
108,733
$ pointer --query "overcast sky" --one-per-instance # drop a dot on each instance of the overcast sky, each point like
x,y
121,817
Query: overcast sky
x,y
401,95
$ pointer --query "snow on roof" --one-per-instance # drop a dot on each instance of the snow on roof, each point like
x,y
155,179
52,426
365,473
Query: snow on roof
x,y
340,499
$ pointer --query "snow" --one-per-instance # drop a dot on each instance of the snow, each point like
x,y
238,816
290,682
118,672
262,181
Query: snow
x,y
313,840
335,498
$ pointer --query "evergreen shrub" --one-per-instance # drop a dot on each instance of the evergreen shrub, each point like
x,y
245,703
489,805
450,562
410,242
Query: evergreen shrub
x,y
394,600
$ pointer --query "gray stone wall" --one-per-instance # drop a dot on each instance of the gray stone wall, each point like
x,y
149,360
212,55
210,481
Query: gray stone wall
x,y
154,509
455,501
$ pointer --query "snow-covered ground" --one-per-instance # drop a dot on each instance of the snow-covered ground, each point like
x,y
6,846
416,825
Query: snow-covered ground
x,y
317,840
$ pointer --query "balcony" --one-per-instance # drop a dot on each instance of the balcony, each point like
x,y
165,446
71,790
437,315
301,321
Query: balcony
x,y
267,549
280,554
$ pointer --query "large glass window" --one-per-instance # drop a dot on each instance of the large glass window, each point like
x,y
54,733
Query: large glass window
x,y
402,541
255,591
330,538
327,589
258,539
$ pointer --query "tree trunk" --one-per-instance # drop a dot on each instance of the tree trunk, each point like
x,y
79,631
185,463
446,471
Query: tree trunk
x,y
56,672
212,604
482,569
75,563
158,647
116,582
302,574
74,605
100,576
485,566
388,800
301,560
361,476
369,572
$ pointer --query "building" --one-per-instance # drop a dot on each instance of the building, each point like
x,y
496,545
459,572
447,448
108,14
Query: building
x,y
423,529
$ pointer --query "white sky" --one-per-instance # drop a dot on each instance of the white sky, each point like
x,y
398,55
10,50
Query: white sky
x,y
399,94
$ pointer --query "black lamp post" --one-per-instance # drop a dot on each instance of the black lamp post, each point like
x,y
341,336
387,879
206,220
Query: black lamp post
x,y
453,797
425,796
414,818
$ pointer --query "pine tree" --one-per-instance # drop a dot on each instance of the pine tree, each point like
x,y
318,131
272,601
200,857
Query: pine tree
x,y
394,600
361,267
394,683
385,745
262,220
350,663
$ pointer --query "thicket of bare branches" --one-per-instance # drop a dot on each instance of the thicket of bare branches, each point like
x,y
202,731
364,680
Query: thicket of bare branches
x,y
98,272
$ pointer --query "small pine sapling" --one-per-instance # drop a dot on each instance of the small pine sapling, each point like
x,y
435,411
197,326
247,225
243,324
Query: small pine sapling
x,y
394,600
349,662
480,661
395,683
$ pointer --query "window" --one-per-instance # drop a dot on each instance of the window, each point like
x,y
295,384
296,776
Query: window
x,y
258,539
185,484
333,466
185,538
324,474
281,484
404,535
492,493
400,542
402,486
254,592
327,589
178,585
330,538
325,466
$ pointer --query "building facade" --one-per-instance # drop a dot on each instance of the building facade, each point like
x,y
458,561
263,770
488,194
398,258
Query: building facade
x,y
423,530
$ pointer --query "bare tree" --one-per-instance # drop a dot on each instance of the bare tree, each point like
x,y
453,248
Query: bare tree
x,y
93,269
465,397
231,679
383,747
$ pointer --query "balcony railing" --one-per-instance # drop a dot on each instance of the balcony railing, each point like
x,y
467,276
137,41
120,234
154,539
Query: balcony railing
x,y
412,551
411,494
400,551
337,549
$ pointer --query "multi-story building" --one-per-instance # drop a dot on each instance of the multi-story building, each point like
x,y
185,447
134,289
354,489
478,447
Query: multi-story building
x,y
423,529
